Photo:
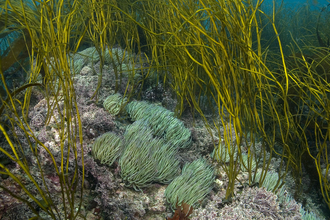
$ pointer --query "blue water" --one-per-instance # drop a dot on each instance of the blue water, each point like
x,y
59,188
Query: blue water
x,y
314,4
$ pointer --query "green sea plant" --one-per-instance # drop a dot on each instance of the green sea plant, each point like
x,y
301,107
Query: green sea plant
x,y
113,103
142,109
146,159
133,130
107,148
117,57
191,187
162,122
270,180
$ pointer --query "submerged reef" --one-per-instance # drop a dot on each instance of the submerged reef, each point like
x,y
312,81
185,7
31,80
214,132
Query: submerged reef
x,y
107,183
163,110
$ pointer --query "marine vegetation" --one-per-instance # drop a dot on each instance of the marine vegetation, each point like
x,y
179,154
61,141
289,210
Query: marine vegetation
x,y
194,183
107,148
114,103
162,122
44,32
211,54
147,159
